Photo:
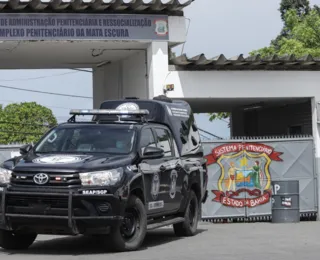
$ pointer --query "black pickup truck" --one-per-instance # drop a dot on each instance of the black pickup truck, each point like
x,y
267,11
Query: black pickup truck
x,y
134,166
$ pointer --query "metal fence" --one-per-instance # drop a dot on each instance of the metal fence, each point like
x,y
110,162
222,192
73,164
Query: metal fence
x,y
241,170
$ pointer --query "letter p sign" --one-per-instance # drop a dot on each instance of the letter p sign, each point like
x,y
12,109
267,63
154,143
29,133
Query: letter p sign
x,y
276,188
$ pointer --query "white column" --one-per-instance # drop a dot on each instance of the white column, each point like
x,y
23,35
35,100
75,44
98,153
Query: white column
x,y
158,68
107,83
134,75
315,133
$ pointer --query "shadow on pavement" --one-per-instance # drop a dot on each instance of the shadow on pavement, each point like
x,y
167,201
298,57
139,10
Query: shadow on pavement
x,y
164,236
81,245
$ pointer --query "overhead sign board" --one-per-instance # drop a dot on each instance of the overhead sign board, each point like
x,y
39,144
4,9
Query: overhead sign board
x,y
17,26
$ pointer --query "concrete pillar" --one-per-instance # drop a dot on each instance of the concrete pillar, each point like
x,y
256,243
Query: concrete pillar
x,y
107,83
315,133
135,75
123,78
158,67
141,74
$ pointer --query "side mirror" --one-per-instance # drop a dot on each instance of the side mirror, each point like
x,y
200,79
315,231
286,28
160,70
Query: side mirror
x,y
25,149
152,153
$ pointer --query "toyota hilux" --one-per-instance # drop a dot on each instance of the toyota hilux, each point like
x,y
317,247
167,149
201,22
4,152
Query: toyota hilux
x,y
134,166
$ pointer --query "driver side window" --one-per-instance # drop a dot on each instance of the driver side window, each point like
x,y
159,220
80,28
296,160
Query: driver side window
x,y
147,139
53,141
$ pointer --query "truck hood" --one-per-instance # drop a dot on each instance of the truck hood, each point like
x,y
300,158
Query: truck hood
x,y
67,162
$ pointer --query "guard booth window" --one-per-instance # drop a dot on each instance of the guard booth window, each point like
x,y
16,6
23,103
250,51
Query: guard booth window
x,y
164,141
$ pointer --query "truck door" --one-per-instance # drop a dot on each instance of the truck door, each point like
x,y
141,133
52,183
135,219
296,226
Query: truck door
x,y
154,187
171,172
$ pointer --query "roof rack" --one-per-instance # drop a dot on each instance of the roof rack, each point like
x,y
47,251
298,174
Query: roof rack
x,y
107,112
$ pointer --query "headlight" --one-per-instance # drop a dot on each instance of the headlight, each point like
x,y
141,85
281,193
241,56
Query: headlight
x,y
5,175
101,178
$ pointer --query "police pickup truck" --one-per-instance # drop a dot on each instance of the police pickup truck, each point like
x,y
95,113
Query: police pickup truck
x,y
134,166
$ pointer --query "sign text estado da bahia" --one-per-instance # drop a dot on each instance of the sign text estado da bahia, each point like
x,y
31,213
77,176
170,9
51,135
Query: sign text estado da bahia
x,y
83,26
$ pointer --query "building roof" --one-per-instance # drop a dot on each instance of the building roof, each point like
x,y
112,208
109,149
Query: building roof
x,y
104,6
288,62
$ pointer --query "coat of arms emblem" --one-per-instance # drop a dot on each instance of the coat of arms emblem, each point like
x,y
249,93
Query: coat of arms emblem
x,y
245,179
161,28
155,186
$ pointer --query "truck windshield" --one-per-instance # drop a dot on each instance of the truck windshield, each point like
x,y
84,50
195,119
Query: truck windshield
x,y
88,138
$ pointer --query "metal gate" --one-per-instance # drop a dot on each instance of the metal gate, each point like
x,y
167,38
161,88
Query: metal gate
x,y
241,170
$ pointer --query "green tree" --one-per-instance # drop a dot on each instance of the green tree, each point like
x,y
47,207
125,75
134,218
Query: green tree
x,y
219,115
24,122
300,7
303,35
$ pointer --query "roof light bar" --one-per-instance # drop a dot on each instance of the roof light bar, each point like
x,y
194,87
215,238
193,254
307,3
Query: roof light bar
x,y
108,112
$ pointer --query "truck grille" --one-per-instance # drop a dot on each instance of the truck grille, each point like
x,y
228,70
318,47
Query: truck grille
x,y
55,179
27,201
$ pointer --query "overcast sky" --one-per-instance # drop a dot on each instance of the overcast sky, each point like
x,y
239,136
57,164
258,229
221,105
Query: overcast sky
x,y
226,27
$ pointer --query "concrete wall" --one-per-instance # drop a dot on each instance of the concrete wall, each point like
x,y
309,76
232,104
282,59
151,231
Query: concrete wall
x,y
244,84
141,74
177,29
249,84
126,77
106,83
134,72
158,68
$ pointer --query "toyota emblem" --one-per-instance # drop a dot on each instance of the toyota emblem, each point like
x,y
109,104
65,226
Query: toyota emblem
x,y
41,178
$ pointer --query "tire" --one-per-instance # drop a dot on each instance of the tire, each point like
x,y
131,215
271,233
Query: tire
x,y
190,225
10,240
123,240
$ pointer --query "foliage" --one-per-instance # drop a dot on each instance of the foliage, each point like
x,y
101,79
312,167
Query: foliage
x,y
302,35
300,6
24,122
219,115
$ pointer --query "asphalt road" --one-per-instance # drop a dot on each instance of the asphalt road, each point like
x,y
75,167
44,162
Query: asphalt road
x,y
214,241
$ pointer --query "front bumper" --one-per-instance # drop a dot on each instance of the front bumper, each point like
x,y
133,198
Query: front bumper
x,y
59,213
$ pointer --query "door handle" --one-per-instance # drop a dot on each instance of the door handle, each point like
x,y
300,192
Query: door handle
x,y
162,168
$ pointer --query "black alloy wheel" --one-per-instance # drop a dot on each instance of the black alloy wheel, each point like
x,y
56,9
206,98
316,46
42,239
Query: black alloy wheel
x,y
130,234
